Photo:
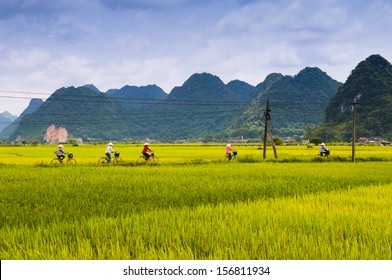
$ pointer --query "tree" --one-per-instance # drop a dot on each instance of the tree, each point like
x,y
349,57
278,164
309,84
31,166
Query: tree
x,y
316,140
73,141
278,141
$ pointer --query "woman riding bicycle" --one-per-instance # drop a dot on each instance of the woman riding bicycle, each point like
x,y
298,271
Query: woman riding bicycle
x,y
323,151
145,149
109,149
60,153
228,151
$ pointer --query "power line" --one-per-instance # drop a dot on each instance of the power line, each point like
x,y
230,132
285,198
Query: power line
x,y
25,92
175,102
94,99
114,98
15,97
100,117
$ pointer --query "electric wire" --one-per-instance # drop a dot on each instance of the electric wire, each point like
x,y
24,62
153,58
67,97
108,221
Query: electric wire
x,y
233,108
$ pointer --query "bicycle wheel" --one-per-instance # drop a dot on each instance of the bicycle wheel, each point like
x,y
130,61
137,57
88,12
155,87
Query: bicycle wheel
x,y
71,161
55,162
154,159
141,159
117,160
225,158
103,160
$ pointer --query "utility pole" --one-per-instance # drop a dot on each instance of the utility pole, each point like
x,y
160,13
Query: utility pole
x,y
267,117
354,130
268,131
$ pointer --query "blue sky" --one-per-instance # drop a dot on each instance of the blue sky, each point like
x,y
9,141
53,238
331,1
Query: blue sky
x,y
49,44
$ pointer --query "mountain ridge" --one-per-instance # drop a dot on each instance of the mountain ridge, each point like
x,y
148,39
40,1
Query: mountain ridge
x,y
369,85
33,106
6,119
204,107
296,102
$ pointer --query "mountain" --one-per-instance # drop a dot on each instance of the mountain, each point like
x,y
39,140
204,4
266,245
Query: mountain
x,y
203,87
33,106
369,84
6,119
111,91
202,107
150,92
133,97
241,88
295,103
82,111
92,87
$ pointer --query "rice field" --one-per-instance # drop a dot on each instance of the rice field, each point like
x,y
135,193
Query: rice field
x,y
89,154
192,205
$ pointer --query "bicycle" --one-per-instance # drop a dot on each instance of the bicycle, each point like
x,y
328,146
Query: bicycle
x,y
105,160
58,161
152,157
326,153
233,156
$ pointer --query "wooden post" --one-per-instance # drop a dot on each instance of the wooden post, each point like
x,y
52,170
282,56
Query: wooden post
x,y
273,143
268,131
266,120
353,156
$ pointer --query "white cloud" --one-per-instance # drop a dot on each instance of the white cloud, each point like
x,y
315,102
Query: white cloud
x,y
159,70
46,45
28,59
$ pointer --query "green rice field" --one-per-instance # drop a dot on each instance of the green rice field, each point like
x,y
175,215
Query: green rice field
x,y
193,205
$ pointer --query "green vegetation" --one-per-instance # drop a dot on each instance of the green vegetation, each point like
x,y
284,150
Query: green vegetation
x,y
192,205
296,103
370,84
309,104
202,105
202,108
82,111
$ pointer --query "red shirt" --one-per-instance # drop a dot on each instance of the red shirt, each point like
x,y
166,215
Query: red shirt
x,y
145,149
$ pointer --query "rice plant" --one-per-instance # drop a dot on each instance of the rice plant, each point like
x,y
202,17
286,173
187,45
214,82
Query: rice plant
x,y
195,207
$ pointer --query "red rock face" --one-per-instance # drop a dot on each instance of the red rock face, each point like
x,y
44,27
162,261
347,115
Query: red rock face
x,y
56,134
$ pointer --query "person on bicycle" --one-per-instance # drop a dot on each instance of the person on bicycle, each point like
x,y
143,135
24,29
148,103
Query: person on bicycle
x,y
323,150
60,153
229,151
109,149
145,149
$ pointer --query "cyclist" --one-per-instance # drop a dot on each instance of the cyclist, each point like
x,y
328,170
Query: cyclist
x,y
145,149
323,151
228,151
109,149
60,153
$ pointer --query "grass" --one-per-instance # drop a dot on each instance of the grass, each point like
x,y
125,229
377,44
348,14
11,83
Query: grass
x,y
355,224
196,153
196,207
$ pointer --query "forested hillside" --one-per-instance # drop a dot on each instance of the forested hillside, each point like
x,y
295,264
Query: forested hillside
x,y
82,111
369,85
6,119
295,103
203,108
33,106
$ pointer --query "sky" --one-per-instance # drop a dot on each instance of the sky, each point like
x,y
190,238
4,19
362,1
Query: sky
x,y
49,44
